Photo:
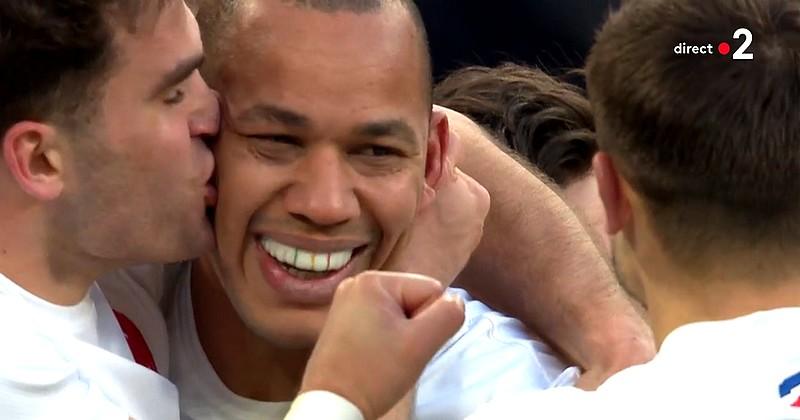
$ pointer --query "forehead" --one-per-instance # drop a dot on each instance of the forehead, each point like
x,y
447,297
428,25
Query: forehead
x,y
326,64
162,36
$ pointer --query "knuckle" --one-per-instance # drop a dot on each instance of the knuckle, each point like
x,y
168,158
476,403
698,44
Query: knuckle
x,y
346,285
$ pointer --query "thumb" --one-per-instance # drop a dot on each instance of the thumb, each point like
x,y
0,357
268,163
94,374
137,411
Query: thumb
x,y
434,324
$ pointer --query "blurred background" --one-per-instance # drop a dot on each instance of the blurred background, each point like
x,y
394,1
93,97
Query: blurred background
x,y
551,34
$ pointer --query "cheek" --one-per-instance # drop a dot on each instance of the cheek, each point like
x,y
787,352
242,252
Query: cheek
x,y
161,149
393,202
245,186
235,201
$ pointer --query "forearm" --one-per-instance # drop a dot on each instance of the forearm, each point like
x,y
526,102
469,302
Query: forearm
x,y
536,262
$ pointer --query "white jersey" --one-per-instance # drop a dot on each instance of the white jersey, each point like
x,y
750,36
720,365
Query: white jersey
x,y
72,362
138,294
743,368
490,355
203,395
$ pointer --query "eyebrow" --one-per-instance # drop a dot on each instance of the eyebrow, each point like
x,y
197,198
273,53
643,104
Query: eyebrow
x,y
384,128
179,73
275,113
388,128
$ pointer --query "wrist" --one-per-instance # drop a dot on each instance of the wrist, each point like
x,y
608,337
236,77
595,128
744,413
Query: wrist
x,y
323,404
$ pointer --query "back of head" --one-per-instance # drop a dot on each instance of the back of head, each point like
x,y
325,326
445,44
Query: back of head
x,y
546,120
711,143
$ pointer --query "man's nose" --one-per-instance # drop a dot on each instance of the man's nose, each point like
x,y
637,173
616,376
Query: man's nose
x,y
205,117
323,193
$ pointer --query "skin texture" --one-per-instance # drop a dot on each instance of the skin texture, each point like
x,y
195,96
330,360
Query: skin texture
x,y
306,211
391,316
313,77
348,173
582,197
129,185
160,167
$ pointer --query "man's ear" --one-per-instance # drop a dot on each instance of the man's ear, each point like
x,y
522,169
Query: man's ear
x,y
612,193
34,158
438,149
437,161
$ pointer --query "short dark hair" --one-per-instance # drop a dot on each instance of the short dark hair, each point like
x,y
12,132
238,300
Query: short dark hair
x,y
544,119
55,54
215,18
711,143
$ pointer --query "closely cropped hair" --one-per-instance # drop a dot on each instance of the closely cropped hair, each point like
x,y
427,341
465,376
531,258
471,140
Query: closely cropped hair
x,y
713,144
542,118
217,26
55,54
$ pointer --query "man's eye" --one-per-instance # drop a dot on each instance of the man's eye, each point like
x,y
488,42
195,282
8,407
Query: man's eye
x,y
175,97
272,138
379,151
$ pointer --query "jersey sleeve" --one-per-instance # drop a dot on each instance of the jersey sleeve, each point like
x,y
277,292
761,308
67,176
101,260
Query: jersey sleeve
x,y
314,405
38,382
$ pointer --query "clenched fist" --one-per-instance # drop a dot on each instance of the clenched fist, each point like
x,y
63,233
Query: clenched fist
x,y
446,231
381,331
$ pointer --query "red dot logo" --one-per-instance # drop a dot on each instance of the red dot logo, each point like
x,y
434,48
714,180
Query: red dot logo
x,y
724,48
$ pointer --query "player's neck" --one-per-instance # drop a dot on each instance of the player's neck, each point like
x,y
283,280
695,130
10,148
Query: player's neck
x,y
41,264
675,299
247,364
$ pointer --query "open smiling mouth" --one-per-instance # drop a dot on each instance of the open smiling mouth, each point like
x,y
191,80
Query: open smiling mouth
x,y
309,265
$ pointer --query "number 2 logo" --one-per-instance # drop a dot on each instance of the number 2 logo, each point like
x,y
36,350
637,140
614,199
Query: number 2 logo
x,y
740,53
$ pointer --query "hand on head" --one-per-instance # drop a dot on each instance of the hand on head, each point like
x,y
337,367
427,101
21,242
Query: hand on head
x,y
449,228
382,329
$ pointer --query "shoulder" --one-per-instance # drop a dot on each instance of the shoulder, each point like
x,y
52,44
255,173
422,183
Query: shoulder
x,y
139,296
492,342
562,403
490,356
30,360
39,381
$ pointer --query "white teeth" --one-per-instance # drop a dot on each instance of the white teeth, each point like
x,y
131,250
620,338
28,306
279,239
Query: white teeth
x,y
320,264
306,260
340,259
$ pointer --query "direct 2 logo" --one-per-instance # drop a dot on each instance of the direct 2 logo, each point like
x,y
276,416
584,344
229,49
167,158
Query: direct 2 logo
x,y
723,48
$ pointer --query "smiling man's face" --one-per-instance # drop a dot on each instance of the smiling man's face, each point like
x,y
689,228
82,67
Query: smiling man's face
x,y
322,158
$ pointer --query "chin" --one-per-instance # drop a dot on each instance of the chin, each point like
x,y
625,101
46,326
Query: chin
x,y
297,331
196,242
298,340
